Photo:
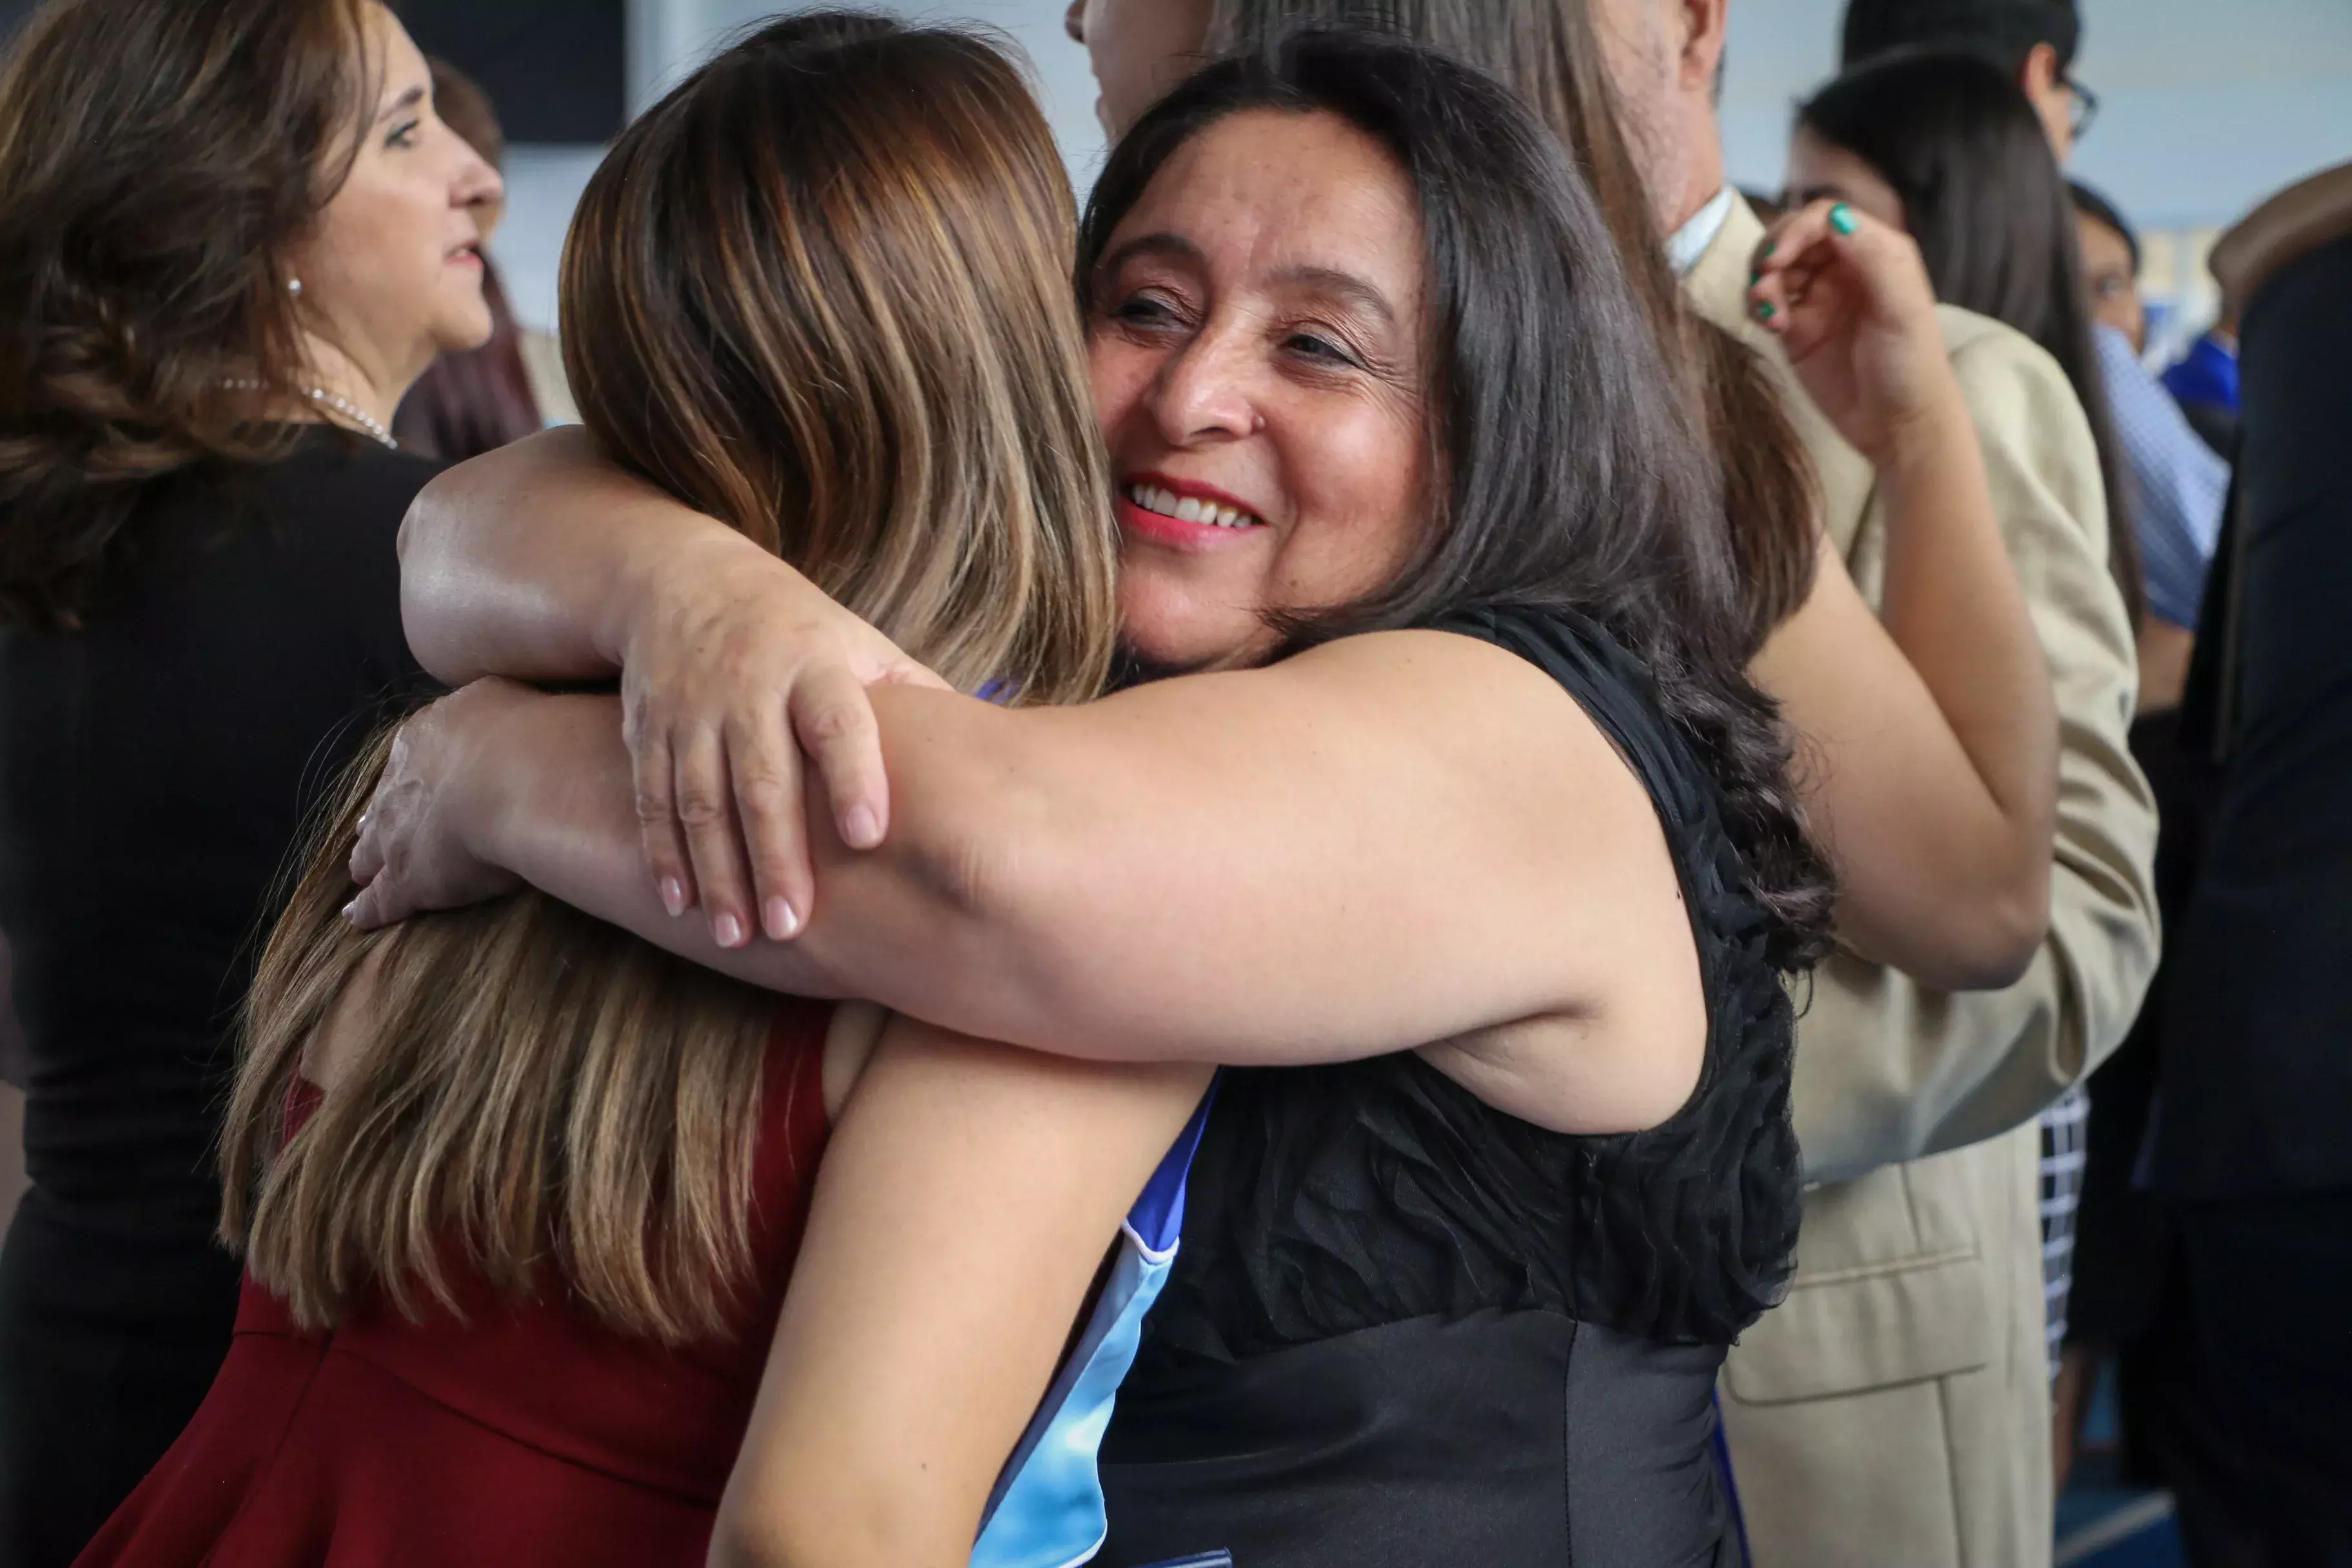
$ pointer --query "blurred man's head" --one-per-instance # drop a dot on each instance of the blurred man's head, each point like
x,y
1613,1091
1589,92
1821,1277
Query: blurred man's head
x,y
2110,264
1664,59
2034,40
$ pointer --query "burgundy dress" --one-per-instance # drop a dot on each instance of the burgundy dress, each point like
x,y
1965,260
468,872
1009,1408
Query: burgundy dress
x,y
519,1435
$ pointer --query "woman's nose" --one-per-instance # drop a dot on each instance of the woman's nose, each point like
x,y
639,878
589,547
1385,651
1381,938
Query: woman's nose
x,y
477,184
1074,21
1204,392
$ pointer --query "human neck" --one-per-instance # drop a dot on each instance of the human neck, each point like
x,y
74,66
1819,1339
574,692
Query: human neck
x,y
329,369
1697,175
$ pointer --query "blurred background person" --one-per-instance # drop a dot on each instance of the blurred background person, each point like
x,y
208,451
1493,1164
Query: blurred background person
x,y
2173,484
2251,1156
232,233
1924,1438
2110,264
2032,42
476,400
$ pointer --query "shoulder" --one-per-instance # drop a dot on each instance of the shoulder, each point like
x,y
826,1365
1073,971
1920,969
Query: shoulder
x,y
2007,376
362,483
2029,419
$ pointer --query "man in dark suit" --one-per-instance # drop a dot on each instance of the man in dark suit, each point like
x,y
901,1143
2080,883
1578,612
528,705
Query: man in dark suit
x,y
2254,1135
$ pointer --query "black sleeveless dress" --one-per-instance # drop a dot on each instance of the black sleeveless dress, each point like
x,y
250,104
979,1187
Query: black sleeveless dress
x,y
1408,1330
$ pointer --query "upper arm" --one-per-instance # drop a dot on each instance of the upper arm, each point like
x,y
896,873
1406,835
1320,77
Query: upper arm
x,y
1387,842
510,561
963,1210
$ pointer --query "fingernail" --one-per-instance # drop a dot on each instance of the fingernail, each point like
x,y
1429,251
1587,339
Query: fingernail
x,y
728,931
1841,218
861,830
781,922
673,895
1767,311
363,816
351,911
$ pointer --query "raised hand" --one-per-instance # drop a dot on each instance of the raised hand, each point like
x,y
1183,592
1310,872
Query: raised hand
x,y
1849,297
414,852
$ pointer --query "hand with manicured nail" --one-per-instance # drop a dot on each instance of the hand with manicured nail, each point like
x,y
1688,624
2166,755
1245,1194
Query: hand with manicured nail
x,y
742,688
413,852
1848,298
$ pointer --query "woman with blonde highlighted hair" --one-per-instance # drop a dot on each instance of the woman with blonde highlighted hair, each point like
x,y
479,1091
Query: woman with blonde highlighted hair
x,y
519,1194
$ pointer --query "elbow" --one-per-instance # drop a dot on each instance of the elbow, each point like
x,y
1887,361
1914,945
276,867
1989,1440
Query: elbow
x,y
1996,946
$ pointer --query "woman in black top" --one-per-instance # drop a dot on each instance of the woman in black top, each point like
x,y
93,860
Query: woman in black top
x,y
1465,775
232,232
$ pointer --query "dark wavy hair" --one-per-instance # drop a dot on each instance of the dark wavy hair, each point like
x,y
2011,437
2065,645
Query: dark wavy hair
x,y
157,159
1982,195
1572,471
1546,51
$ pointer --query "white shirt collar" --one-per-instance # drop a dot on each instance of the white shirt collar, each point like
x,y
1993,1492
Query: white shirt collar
x,y
1690,242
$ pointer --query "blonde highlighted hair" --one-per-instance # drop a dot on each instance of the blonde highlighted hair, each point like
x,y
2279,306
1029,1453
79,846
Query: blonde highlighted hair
x,y
821,292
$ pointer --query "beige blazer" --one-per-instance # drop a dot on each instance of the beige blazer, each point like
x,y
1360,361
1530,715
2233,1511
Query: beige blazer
x,y
1896,1408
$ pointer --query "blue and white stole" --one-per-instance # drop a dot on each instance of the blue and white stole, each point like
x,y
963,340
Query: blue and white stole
x,y
1047,1512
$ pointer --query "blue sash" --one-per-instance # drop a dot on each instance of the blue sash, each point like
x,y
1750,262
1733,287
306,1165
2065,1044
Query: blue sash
x,y
1048,1508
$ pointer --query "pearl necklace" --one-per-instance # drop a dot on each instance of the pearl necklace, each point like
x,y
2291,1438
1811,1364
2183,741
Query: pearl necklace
x,y
335,401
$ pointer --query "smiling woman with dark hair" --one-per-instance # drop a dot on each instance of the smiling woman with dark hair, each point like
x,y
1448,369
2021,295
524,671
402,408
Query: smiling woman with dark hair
x,y
1406,494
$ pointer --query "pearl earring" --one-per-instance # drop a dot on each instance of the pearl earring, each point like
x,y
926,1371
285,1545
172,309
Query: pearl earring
x,y
294,287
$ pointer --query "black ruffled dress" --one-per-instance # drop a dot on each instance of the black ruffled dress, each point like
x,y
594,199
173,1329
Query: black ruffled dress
x,y
1408,1330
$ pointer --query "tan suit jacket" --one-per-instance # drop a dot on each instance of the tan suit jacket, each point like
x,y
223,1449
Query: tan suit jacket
x,y
1896,1408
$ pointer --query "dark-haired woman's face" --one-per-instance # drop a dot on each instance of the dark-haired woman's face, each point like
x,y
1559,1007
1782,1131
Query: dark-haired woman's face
x,y
1256,341
1821,170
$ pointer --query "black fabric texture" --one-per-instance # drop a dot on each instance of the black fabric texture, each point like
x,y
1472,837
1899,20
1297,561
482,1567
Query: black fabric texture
x,y
1330,1205
155,769
2258,1021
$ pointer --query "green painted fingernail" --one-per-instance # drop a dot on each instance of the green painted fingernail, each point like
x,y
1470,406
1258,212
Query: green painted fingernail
x,y
1767,311
1841,218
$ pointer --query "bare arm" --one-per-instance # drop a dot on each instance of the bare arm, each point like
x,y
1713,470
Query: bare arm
x,y
1266,865
1928,731
915,1343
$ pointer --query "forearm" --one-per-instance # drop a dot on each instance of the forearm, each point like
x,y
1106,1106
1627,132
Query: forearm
x,y
527,562
1927,735
1952,603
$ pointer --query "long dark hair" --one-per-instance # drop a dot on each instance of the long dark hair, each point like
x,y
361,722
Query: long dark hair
x,y
1546,51
1573,473
157,161
1982,196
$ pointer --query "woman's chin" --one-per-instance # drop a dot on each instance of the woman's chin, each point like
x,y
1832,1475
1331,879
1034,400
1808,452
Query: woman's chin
x,y
1172,631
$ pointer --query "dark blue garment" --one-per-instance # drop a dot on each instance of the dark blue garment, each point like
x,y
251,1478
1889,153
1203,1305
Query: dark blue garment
x,y
2207,376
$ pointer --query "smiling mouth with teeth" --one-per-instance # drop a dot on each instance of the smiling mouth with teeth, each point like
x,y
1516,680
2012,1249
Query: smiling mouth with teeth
x,y
1188,508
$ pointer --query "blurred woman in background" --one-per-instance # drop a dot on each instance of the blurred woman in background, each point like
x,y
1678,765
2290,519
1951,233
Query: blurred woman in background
x,y
476,400
232,233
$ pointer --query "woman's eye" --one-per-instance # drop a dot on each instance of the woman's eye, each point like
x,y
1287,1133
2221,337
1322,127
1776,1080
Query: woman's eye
x,y
404,137
1145,310
1315,346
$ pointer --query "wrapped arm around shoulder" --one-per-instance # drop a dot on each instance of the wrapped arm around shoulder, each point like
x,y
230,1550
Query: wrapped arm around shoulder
x,y
916,1340
1258,867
